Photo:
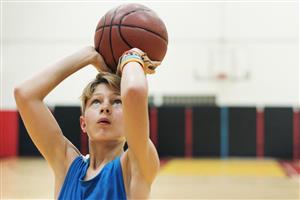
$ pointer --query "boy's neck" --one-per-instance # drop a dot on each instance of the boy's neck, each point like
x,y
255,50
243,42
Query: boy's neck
x,y
103,152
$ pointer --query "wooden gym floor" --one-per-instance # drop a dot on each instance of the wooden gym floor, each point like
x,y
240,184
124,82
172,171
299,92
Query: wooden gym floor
x,y
234,178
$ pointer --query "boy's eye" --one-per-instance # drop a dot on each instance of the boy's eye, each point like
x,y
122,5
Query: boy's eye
x,y
95,102
117,101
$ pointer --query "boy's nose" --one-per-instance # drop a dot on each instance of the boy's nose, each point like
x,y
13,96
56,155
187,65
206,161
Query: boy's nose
x,y
105,110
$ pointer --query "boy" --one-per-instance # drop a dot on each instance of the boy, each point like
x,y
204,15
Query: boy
x,y
110,116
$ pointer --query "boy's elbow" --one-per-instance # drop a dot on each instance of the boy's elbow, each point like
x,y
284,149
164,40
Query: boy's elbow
x,y
19,95
17,92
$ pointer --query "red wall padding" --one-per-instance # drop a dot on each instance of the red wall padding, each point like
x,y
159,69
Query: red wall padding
x,y
296,136
153,126
260,133
188,132
8,133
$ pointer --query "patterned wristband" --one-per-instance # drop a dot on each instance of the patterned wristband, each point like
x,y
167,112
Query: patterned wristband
x,y
130,58
138,60
127,57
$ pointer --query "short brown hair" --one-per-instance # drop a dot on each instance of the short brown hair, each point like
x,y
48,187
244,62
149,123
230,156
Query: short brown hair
x,y
110,79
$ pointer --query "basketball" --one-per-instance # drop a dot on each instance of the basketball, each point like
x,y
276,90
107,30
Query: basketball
x,y
128,26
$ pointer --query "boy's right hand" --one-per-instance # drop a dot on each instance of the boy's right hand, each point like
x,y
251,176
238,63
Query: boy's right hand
x,y
97,61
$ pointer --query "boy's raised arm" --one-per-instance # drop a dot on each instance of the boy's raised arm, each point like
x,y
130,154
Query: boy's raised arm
x,y
38,120
134,94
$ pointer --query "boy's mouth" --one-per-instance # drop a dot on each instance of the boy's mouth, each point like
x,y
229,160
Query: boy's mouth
x,y
104,120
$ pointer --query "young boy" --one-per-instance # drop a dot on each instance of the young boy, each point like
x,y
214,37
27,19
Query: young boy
x,y
114,110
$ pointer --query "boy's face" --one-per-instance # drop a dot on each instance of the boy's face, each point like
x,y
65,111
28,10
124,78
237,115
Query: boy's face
x,y
102,119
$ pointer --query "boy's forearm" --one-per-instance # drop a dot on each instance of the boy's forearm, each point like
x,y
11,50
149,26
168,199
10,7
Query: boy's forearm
x,y
134,94
134,79
42,83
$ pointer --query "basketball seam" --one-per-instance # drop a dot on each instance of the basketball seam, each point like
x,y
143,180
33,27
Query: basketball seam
x,y
110,30
101,34
120,24
131,26
124,40
124,16
154,33
121,19
104,59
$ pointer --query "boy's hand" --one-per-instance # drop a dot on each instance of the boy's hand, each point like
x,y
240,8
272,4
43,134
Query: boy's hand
x,y
97,61
148,65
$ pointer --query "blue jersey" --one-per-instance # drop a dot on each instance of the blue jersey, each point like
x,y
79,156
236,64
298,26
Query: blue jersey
x,y
108,184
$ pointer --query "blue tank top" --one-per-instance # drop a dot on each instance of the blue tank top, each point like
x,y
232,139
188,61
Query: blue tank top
x,y
108,184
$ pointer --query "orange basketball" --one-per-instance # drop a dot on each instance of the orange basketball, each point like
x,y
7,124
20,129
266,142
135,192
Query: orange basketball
x,y
128,26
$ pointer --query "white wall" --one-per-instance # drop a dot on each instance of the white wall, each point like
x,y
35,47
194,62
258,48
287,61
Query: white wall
x,y
261,38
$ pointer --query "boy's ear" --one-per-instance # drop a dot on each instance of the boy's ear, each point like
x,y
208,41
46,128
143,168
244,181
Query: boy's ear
x,y
82,124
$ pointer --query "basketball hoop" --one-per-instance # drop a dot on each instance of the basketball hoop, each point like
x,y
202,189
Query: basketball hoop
x,y
221,76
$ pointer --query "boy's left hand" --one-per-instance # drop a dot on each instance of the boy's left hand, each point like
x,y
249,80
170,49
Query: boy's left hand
x,y
149,66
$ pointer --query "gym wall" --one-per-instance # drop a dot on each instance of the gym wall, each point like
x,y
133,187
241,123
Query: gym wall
x,y
259,38
202,131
